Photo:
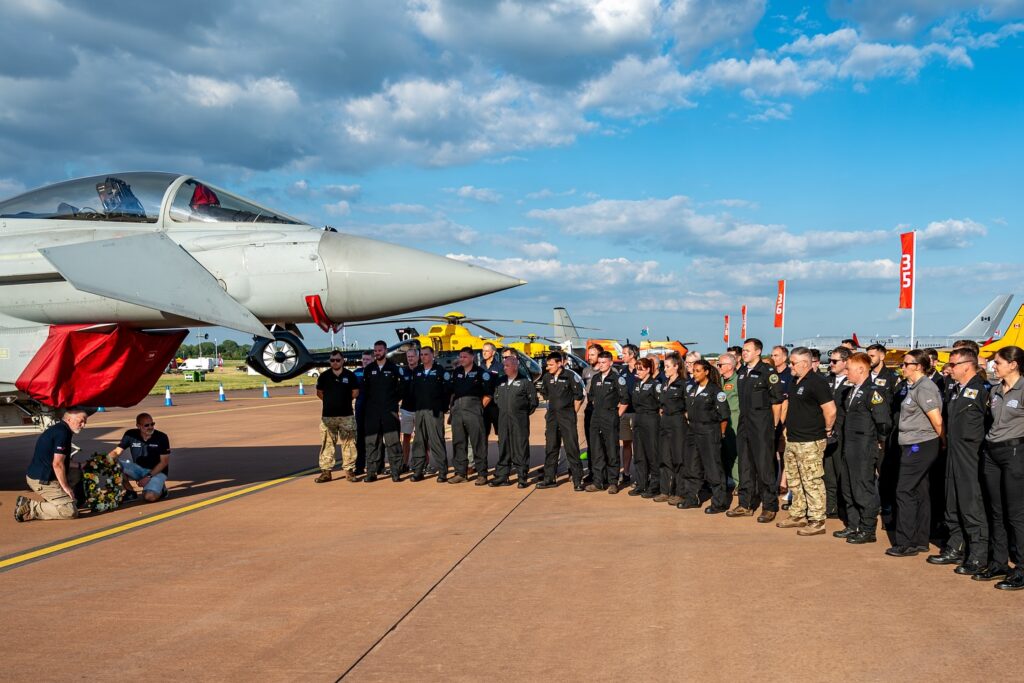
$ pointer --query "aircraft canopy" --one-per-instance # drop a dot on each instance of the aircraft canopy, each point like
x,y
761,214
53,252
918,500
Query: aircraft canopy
x,y
137,198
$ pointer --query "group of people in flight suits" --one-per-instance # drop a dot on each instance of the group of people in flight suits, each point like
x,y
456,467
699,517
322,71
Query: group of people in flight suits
x,y
886,438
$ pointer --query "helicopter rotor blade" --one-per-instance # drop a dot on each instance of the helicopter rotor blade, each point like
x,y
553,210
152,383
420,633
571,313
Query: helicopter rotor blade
x,y
424,319
524,322
484,328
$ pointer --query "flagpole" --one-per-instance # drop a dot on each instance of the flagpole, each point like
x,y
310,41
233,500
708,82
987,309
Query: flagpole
x,y
785,305
913,294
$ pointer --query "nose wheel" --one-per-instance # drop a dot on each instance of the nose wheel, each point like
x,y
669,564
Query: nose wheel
x,y
279,359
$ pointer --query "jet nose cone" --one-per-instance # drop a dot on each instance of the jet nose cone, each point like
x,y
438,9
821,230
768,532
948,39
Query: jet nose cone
x,y
367,278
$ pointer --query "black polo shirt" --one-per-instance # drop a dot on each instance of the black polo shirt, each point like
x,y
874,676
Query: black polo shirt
x,y
146,453
55,440
337,392
805,420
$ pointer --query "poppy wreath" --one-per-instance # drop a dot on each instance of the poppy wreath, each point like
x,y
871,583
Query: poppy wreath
x,y
103,482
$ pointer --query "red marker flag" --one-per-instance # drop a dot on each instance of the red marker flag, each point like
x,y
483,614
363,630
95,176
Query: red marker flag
x,y
725,337
743,322
780,304
908,264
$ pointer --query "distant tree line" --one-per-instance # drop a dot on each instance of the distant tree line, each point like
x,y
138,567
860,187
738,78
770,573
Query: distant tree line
x,y
229,350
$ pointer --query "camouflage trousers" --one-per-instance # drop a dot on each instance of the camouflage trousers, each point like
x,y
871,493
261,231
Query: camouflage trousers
x,y
332,431
805,475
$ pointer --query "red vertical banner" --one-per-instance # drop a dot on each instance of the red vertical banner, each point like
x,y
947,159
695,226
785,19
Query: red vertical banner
x,y
780,304
908,264
743,322
725,337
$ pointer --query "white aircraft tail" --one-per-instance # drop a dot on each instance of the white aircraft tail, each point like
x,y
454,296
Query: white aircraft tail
x,y
985,324
565,330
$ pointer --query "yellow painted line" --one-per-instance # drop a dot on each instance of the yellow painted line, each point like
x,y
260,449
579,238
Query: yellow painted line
x,y
139,523
168,415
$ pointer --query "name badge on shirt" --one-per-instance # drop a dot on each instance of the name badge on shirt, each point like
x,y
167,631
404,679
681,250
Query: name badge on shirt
x,y
1011,404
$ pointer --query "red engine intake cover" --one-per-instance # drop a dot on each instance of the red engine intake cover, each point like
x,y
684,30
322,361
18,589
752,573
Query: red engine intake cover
x,y
98,365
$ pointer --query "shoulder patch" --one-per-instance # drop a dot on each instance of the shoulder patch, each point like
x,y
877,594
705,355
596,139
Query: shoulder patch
x,y
447,376
722,398
876,398
773,378
657,388
880,381
622,381
970,393
487,376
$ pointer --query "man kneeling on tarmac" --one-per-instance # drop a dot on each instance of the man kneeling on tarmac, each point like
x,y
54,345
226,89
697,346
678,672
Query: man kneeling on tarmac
x,y
144,454
50,473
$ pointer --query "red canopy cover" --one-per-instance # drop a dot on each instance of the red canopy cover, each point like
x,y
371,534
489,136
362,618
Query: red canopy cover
x,y
90,365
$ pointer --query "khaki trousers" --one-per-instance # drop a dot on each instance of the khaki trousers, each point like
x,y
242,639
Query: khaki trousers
x,y
332,431
56,503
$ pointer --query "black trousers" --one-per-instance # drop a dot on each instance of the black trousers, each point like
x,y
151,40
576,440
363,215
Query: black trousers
x,y
673,444
560,428
965,508
588,416
603,450
755,441
360,440
428,434
834,468
382,436
490,419
860,495
468,429
513,446
693,468
1004,486
889,469
913,500
708,446
646,458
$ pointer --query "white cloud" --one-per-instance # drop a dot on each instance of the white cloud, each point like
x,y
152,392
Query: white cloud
x,y
547,193
700,24
736,203
950,234
480,194
439,231
871,60
341,208
774,112
587,277
673,224
538,249
842,40
633,87
822,273
711,300
772,77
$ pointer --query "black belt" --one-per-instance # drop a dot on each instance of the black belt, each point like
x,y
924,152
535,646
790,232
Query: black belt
x,y
1009,443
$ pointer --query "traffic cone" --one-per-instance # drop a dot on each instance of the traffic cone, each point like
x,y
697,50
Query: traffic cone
x,y
302,389
266,393
220,394
167,397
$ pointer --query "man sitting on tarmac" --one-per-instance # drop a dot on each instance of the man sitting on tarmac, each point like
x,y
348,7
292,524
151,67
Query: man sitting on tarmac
x,y
147,458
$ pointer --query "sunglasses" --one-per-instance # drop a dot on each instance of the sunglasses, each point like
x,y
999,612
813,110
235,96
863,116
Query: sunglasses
x,y
335,360
959,362
908,363
833,361
149,424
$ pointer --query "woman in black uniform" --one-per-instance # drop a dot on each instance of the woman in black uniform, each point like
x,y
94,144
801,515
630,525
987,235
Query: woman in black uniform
x,y
707,410
646,459
673,430
1003,470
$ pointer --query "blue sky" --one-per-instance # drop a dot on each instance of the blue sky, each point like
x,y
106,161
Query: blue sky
x,y
641,163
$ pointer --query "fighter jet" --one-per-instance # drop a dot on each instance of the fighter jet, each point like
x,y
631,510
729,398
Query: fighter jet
x,y
95,271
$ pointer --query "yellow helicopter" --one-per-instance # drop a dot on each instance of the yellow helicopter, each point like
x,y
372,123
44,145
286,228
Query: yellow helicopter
x,y
449,333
